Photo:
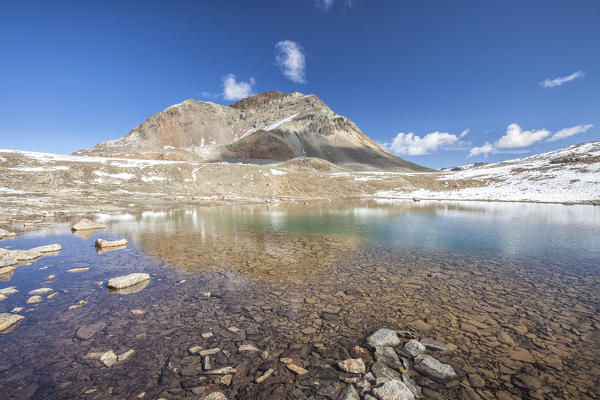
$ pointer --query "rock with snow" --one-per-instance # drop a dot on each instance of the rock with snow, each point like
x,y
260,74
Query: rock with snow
x,y
125,281
7,258
383,338
9,321
414,347
86,224
101,243
427,365
393,390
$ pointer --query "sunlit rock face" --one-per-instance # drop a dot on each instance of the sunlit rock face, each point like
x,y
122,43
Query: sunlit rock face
x,y
271,126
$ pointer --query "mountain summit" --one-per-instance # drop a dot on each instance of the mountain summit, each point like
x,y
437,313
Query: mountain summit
x,y
266,127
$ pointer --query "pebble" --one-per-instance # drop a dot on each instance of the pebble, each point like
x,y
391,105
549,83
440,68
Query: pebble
x,y
34,299
223,371
215,396
226,379
265,375
125,355
210,352
108,358
138,312
51,295
298,370
207,335
247,347
41,290
73,270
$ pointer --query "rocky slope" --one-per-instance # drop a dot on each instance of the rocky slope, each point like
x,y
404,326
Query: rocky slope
x,y
567,175
266,127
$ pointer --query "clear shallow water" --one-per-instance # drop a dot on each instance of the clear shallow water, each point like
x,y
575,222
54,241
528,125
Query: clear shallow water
x,y
467,273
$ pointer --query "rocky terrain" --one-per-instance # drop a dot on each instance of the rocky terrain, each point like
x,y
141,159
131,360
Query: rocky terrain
x,y
271,126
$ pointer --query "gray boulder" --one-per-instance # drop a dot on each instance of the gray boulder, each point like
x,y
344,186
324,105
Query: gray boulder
x,y
349,394
414,347
383,338
433,368
393,390
388,356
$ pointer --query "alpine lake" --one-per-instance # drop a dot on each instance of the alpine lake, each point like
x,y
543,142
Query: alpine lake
x,y
512,290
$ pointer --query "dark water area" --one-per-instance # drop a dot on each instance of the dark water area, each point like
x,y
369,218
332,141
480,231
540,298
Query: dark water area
x,y
514,288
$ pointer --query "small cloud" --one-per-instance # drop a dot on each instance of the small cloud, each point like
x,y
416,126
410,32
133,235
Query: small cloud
x,y
566,132
411,144
486,149
290,59
209,95
464,133
233,90
562,79
515,137
324,4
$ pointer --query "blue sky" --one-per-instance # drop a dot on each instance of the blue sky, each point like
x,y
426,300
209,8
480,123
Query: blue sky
x,y
413,75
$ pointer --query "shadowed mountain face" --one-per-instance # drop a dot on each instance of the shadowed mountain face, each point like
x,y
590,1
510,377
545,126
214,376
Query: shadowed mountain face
x,y
266,127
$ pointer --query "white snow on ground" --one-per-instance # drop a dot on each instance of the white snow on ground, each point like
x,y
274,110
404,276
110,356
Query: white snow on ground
x,y
532,178
2,159
12,191
278,172
41,169
368,178
153,178
122,175
194,177
276,124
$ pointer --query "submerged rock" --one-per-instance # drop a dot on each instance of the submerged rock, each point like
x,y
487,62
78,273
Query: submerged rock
x,y
7,258
26,255
34,299
86,224
383,338
108,358
73,270
9,321
101,243
429,366
88,331
125,281
43,290
433,344
9,290
393,390
6,273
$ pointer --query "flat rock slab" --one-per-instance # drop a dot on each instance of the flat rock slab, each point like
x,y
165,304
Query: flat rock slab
x,y
26,255
50,248
101,243
86,224
427,365
86,332
433,344
7,258
9,321
125,281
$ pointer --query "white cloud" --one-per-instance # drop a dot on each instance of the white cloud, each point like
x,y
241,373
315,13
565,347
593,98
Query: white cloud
x,y
289,57
566,132
233,90
486,149
562,79
411,144
464,133
515,137
324,4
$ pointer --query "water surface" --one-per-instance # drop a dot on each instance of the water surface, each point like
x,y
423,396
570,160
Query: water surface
x,y
515,287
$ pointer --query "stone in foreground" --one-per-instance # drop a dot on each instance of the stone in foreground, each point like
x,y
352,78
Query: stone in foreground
x,y
393,390
7,258
433,368
86,224
349,394
103,244
122,282
414,347
383,338
9,321
352,365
